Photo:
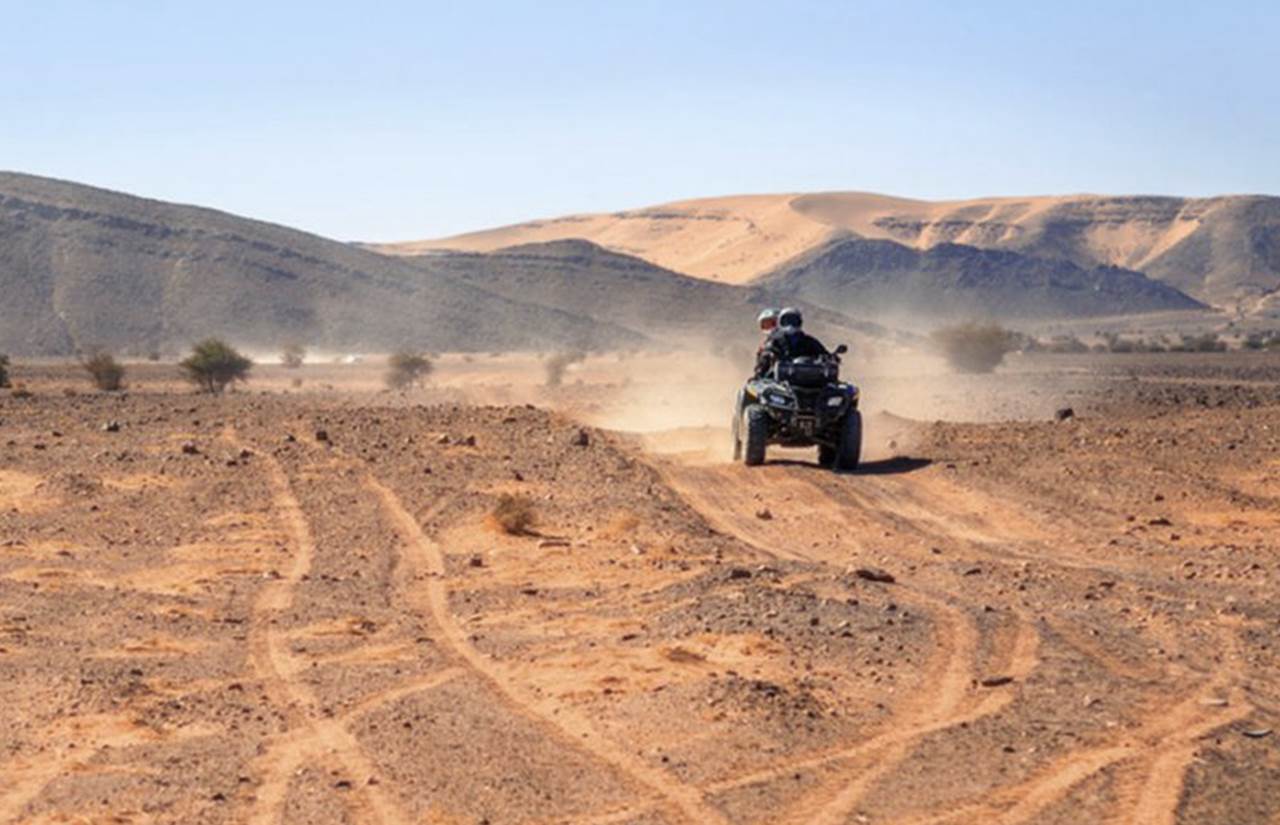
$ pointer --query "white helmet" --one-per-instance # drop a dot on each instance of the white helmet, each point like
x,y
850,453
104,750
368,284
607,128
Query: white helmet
x,y
768,318
791,318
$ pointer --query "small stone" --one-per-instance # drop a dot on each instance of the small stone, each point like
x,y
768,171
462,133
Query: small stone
x,y
322,436
189,448
476,561
111,427
739,573
1063,413
581,438
764,514
996,681
875,574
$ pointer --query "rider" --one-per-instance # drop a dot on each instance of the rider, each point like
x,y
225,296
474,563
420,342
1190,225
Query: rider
x,y
768,321
788,341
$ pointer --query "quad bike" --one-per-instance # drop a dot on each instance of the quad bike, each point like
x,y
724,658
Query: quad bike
x,y
800,403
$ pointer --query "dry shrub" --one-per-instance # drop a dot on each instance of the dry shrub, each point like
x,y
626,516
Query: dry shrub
x,y
4,371
558,363
293,356
405,369
974,347
106,373
513,514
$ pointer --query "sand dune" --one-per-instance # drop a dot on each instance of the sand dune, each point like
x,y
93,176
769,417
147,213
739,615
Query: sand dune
x,y
1225,250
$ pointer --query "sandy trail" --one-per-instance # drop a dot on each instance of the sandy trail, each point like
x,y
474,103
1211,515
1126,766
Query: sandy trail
x,y
846,515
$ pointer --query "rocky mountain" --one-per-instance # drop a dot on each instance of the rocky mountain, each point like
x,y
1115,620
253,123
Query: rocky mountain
x,y
952,281
1223,251
624,291
82,267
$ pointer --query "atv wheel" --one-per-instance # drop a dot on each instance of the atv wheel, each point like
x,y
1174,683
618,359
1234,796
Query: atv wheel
x,y
737,438
850,448
826,455
755,424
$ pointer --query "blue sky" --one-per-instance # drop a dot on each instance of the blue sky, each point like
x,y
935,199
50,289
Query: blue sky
x,y
400,120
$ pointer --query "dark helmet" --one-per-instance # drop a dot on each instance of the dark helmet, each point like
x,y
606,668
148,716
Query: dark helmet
x,y
790,318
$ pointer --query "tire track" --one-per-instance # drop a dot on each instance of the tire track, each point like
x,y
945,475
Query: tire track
x,y
425,561
274,664
1170,733
952,671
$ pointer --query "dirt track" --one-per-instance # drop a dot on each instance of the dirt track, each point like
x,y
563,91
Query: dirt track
x,y
264,626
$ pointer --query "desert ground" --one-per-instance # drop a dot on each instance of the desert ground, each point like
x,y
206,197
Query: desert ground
x,y
293,603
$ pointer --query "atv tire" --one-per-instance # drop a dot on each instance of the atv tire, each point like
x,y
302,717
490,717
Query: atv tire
x,y
849,451
755,429
826,455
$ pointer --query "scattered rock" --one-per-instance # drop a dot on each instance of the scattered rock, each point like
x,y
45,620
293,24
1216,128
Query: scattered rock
x,y
1063,413
322,436
1160,522
1257,733
581,438
111,427
875,574
189,448
996,681
469,441
554,543
739,573
764,514
476,561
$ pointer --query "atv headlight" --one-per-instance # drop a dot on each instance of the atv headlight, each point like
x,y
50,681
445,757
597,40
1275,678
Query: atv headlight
x,y
777,399
835,401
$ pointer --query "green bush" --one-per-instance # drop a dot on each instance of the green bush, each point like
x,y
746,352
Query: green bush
x,y
213,364
405,369
106,373
974,347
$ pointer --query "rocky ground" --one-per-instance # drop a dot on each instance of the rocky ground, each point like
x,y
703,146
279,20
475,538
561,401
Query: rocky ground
x,y
301,608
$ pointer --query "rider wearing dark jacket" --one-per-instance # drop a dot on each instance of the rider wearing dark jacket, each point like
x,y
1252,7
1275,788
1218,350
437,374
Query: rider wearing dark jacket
x,y
788,341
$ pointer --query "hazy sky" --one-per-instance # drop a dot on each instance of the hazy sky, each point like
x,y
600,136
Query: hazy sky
x,y
396,120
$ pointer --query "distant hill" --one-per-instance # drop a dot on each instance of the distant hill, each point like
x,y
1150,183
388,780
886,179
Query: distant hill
x,y
1224,251
82,267
623,291
954,281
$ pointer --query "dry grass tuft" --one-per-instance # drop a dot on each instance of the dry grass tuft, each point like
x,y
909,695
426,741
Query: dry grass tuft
x,y
513,515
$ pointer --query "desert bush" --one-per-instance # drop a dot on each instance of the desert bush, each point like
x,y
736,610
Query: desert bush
x,y
404,369
4,371
106,373
1208,342
513,514
293,356
214,364
1262,340
558,363
973,347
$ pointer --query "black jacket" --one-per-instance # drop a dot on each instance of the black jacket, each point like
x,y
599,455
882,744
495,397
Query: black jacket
x,y
786,344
